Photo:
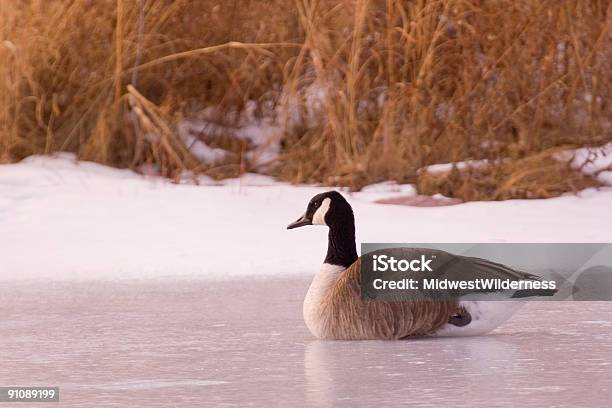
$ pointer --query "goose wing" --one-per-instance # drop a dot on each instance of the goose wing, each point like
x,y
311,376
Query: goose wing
x,y
452,268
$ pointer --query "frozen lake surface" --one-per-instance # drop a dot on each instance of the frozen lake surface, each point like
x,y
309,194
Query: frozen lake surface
x,y
243,343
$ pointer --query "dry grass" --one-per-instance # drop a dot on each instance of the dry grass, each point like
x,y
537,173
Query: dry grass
x,y
405,83
537,176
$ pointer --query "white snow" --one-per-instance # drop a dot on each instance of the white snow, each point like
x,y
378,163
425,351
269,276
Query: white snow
x,y
386,189
201,150
62,220
446,167
593,161
262,131
263,134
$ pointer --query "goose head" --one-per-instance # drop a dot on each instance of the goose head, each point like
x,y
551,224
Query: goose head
x,y
329,208
332,210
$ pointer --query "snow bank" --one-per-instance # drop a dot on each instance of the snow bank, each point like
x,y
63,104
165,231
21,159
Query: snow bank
x,y
62,220
446,167
592,161
262,132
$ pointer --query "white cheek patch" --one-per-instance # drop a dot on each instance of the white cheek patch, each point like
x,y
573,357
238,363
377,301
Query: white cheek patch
x,y
319,215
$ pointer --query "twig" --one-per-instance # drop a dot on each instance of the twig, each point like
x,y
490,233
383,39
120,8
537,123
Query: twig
x,y
118,50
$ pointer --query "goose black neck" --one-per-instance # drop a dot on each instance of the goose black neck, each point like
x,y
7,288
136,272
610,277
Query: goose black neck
x,y
341,248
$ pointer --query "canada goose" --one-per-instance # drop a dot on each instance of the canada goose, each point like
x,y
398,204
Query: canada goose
x,y
333,308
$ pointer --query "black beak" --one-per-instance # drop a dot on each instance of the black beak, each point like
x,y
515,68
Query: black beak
x,y
303,220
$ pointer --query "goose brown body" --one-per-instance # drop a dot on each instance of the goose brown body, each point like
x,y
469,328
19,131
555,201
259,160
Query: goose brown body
x,y
339,313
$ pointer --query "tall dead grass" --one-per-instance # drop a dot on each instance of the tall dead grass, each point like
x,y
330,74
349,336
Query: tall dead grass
x,y
400,84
